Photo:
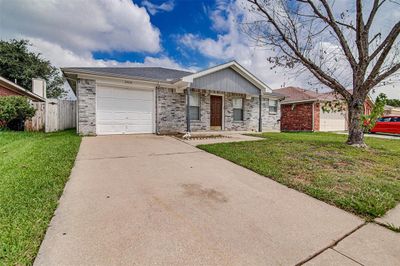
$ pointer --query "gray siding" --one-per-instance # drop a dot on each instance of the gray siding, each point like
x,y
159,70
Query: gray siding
x,y
226,80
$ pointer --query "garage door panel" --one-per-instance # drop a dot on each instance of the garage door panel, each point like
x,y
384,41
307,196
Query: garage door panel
x,y
111,129
111,104
118,93
138,116
139,128
332,121
123,111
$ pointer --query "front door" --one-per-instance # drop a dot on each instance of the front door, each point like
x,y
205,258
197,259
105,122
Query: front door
x,y
216,112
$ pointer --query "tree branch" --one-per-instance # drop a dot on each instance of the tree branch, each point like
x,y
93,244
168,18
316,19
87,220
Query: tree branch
x,y
389,40
331,21
384,75
374,10
318,73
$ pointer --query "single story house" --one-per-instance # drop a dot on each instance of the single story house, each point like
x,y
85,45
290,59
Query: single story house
x,y
37,99
305,110
391,110
116,100
9,88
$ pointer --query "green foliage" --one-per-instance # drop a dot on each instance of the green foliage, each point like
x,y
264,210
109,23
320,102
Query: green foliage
x,y
369,121
34,167
363,181
13,107
18,63
333,106
393,102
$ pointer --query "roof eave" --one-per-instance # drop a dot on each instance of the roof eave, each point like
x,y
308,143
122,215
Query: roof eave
x,y
15,87
69,71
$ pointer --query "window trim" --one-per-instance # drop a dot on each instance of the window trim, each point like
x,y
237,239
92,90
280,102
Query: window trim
x,y
269,107
233,117
199,106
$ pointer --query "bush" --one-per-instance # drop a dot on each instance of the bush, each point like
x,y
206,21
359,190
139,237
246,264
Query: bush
x,y
14,110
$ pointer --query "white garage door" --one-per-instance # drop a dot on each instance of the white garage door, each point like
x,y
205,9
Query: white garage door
x,y
124,111
332,121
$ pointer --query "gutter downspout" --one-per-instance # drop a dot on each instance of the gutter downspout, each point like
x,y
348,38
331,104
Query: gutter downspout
x,y
188,109
260,113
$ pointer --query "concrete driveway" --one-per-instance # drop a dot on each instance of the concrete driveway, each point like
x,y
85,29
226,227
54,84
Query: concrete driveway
x,y
145,199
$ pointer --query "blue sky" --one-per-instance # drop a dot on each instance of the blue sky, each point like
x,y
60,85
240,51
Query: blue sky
x,y
187,16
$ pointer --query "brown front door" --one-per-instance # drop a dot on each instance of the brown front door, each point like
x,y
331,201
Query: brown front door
x,y
216,111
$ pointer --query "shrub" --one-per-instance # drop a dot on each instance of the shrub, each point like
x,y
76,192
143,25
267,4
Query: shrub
x,y
15,110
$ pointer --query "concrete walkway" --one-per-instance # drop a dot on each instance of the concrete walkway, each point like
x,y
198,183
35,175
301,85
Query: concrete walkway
x,y
226,137
152,200
377,135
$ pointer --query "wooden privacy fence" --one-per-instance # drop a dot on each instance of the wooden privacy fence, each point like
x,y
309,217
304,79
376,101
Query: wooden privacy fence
x,y
60,115
37,122
52,115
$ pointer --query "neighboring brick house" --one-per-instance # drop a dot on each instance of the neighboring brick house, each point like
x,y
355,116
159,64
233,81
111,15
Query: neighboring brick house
x,y
303,110
9,88
158,100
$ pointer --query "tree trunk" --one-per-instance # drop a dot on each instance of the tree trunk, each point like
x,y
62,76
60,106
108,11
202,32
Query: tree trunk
x,y
356,133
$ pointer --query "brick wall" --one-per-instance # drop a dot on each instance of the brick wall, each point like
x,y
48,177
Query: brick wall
x,y
367,107
6,92
297,117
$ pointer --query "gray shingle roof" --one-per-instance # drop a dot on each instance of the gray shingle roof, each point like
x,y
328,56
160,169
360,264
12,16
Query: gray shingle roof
x,y
153,73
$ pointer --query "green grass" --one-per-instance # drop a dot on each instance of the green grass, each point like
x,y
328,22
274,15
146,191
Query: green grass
x,y
34,168
363,181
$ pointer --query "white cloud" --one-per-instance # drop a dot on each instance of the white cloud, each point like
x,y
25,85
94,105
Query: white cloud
x,y
232,43
68,32
154,9
82,26
62,57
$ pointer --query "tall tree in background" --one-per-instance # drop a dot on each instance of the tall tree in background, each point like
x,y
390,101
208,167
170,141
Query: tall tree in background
x,y
18,63
342,49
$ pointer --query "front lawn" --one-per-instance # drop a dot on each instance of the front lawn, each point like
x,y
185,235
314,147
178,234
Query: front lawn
x,y
365,182
33,170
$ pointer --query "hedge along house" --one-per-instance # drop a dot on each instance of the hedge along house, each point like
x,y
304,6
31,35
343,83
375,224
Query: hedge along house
x,y
165,101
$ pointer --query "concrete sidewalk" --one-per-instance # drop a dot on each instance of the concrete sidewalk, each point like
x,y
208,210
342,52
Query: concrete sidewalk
x,y
144,200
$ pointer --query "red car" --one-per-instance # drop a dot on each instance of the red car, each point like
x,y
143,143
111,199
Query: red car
x,y
387,124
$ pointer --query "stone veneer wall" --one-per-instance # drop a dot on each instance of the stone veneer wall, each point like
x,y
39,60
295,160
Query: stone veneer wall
x,y
171,108
171,111
270,122
86,94
250,113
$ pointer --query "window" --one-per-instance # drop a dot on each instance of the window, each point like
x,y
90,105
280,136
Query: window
x,y
194,108
238,109
384,119
273,106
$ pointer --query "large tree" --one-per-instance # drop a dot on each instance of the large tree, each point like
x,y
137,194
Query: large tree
x,y
342,47
19,64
